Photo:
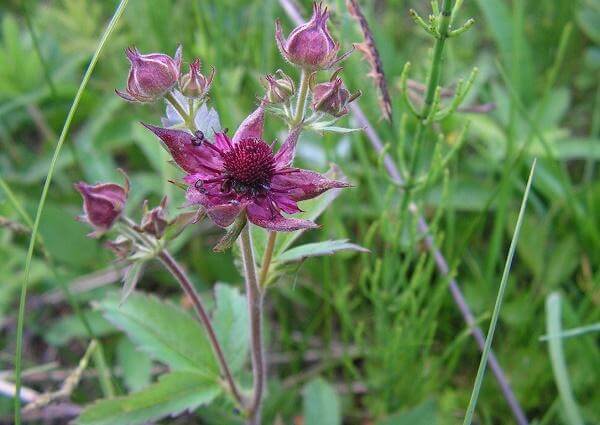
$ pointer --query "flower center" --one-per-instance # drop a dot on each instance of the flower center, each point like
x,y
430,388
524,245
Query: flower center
x,y
249,166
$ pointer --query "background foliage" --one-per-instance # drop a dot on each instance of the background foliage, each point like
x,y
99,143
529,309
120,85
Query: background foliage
x,y
380,330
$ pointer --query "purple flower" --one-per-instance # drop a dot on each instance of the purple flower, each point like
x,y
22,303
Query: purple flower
x,y
310,45
194,84
243,174
150,76
331,97
102,204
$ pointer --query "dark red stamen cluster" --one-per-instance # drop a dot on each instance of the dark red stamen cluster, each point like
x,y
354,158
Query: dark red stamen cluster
x,y
250,163
248,166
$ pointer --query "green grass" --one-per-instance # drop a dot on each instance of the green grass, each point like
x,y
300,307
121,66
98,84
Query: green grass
x,y
404,343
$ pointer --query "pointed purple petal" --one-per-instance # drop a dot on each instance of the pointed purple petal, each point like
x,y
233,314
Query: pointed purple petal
x,y
280,223
192,159
285,155
252,126
303,184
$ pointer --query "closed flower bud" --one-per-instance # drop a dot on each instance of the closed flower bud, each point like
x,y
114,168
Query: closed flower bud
x,y
194,84
102,204
122,247
279,90
331,97
150,76
310,46
154,221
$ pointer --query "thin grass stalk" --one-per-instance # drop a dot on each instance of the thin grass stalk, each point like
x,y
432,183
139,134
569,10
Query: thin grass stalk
x,y
498,304
35,229
104,374
439,258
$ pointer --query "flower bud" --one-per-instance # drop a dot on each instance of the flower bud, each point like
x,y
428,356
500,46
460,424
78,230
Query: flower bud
x,y
310,46
102,204
331,97
122,247
150,76
194,84
279,90
154,221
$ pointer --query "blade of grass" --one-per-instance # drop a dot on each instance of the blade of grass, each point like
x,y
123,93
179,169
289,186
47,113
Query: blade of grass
x,y
38,50
557,358
99,358
499,298
570,333
34,231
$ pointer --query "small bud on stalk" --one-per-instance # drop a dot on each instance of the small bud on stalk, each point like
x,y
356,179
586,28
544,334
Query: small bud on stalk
x,y
154,221
310,46
151,75
122,247
194,84
331,97
279,90
102,204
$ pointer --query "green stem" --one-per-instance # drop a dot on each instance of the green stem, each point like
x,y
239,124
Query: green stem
x,y
301,101
267,257
187,118
433,80
498,304
34,231
255,307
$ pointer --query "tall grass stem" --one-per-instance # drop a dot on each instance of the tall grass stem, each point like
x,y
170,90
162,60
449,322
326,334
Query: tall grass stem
x,y
34,231
498,305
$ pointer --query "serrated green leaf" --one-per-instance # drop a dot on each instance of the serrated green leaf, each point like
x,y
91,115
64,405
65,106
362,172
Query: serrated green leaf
x,y
423,414
172,394
231,320
164,331
135,364
69,327
321,404
317,249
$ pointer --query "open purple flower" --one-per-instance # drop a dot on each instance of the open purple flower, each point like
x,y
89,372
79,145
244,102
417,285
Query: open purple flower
x,y
151,75
310,45
102,204
243,174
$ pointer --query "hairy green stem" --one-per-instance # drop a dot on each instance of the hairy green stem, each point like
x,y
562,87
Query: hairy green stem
x,y
267,257
188,119
34,231
301,101
255,307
